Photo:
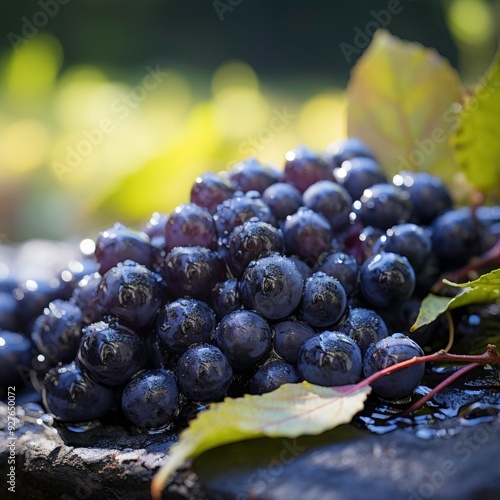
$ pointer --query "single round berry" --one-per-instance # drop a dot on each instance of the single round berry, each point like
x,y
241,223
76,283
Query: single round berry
x,y
364,326
358,174
307,234
120,243
204,373
190,225
185,322
193,271
57,332
289,335
271,375
386,279
304,167
250,241
84,296
331,200
111,353
251,175
283,199
455,236
244,337
342,266
409,240
236,211
132,293
272,286
226,297
73,397
330,359
151,399
324,301
427,192
15,358
388,352
155,229
210,190
382,206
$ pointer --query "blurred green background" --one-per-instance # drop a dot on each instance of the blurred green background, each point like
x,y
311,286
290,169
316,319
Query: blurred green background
x,y
110,109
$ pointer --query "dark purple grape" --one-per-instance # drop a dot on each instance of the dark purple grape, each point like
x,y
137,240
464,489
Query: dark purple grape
x,y
387,279
15,357
427,192
409,240
236,211
120,243
358,174
151,399
330,359
204,373
332,201
73,397
388,352
155,229
250,241
364,327
57,332
304,167
84,296
244,337
9,312
324,302
250,175
185,322
342,266
193,271
347,149
131,292
283,199
210,190
190,225
289,335
272,286
382,206
226,297
307,234
455,237
271,375
111,353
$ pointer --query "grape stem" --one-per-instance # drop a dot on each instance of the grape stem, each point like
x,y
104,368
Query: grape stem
x,y
491,258
489,357
445,383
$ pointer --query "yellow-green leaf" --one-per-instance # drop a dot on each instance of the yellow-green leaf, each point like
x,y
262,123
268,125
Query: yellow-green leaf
x,y
402,100
292,410
484,289
477,148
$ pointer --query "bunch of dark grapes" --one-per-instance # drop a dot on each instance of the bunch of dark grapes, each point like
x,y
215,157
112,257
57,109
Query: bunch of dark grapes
x,y
263,278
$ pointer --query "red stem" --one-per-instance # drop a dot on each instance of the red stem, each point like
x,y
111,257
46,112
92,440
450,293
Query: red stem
x,y
445,383
490,356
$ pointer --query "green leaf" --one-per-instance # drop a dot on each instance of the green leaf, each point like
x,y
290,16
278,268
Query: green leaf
x,y
292,410
486,288
402,100
477,148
